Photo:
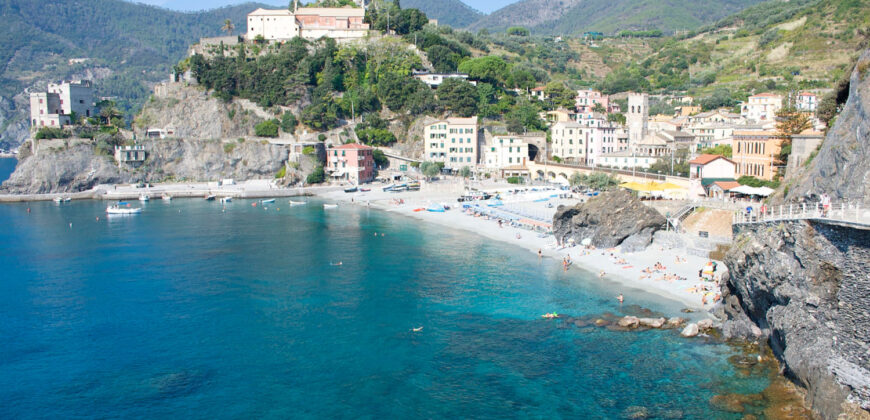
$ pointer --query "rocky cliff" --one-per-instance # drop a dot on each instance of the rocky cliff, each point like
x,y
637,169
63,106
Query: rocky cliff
x,y
611,219
77,165
842,166
804,285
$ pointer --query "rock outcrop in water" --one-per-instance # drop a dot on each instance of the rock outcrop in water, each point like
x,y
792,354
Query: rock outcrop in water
x,y
805,284
75,165
611,219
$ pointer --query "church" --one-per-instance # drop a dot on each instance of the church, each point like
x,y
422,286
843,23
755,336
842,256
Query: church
x,y
339,23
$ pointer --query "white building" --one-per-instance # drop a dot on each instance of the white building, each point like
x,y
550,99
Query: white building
x,y
340,23
435,79
505,150
626,160
453,141
568,142
761,107
712,167
55,107
807,101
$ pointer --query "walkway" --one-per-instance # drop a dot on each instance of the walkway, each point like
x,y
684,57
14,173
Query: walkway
x,y
850,214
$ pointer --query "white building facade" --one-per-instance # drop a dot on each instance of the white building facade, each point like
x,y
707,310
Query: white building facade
x,y
453,141
502,151
55,107
340,23
568,142
761,107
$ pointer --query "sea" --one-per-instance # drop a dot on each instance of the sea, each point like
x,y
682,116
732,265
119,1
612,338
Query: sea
x,y
7,166
193,309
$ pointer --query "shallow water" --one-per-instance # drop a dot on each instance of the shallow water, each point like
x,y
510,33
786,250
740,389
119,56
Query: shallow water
x,y
186,310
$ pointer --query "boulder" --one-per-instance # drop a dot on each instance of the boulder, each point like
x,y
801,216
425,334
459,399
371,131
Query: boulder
x,y
674,322
652,322
705,324
609,220
691,330
629,322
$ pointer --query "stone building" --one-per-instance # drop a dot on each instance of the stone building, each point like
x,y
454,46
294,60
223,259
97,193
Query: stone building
x,y
637,117
339,23
55,107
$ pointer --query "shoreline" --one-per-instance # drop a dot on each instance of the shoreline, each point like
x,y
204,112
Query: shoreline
x,y
594,261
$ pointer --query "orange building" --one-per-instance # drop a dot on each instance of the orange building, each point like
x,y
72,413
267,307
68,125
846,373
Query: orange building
x,y
755,153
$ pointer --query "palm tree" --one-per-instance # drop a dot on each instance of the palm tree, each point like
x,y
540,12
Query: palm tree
x,y
228,27
108,112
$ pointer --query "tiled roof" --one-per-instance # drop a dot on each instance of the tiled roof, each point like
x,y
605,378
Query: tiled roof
x,y
706,158
352,146
727,185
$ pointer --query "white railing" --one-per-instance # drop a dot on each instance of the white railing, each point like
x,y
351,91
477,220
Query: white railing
x,y
843,212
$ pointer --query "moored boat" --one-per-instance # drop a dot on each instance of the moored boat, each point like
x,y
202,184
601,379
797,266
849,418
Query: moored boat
x,y
210,197
271,200
166,197
351,190
144,197
226,199
117,209
57,199
297,203
330,206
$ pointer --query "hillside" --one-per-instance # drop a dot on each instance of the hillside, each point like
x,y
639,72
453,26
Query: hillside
x,y
573,17
128,46
448,12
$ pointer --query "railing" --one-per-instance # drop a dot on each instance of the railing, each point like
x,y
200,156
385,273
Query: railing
x,y
681,214
838,212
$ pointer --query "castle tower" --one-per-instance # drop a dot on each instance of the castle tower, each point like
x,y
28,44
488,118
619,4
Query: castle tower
x,y
637,117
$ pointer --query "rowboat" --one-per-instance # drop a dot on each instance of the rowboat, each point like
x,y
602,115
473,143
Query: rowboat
x,y
297,203
144,197
166,197
210,197
271,200
330,206
226,200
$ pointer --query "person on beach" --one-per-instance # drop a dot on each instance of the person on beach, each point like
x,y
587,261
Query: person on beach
x,y
602,274
540,254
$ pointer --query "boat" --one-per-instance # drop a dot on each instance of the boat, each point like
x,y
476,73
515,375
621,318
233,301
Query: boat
x,y
57,199
144,197
210,197
117,209
330,206
435,208
297,203
271,200
365,189
226,200
166,197
67,199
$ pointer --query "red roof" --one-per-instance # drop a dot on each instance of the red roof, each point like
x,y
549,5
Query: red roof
x,y
539,88
352,146
807,94
727,185
707,158
768,94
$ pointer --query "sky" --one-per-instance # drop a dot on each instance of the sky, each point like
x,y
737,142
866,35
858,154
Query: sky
x,y
485,6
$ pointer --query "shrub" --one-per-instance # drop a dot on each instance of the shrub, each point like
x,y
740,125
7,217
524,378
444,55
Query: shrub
x,y
288,122
229,147
51,133
321,137
379,158
282,172
516,180
316,177
308,150
268,128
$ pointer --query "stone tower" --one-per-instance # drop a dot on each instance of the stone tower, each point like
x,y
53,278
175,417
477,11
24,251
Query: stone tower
x,y
637,117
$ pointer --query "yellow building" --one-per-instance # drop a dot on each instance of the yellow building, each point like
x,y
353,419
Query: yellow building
x,y
755,153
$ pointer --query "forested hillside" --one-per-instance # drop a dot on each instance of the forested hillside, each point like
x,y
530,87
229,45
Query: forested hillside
x,y
573,17
448,12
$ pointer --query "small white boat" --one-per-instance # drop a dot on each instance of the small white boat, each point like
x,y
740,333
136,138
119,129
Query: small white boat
x,y
271,200
144,197
67,199
210,197
226,199
116,209
57,199
297,203
330,206
166,197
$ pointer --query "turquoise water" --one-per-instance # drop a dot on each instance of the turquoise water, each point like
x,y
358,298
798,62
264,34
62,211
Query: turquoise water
x,y
188,311
7,166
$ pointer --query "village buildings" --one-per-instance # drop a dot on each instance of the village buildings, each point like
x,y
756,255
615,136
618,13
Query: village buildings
x,y
708,166
350,162
453,141
761,107
755,153
433,80
505,150
63,100
339,23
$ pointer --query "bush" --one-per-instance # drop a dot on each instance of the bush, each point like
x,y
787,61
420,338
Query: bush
x,y
316,177
268,128
308,150
517,31
379,158
288,122
51,133
229,147
321,137
516,180
282,172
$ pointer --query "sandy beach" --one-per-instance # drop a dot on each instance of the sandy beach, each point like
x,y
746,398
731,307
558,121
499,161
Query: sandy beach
x,y
623,268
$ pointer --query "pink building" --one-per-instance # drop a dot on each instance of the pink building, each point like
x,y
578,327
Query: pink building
x,y
350,162
588,98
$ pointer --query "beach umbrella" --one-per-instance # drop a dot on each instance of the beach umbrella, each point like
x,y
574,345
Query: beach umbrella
x,y
586,242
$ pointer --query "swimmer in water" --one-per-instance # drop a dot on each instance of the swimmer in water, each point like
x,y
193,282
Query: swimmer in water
x,y
619,298
335,264
418,329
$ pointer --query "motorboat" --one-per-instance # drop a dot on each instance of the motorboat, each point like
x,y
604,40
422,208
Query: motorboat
x,y
365,189
166,197
57,200
435,208
330,206
67,199
210,197
297,203
144,197
351,190
271,200
226,200
118,209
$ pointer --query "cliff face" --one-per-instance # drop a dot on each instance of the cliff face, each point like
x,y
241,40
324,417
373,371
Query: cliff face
x,y
842,167
70,166
611,219
805,284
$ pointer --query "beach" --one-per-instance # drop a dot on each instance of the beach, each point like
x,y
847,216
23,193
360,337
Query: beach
x,y
625,269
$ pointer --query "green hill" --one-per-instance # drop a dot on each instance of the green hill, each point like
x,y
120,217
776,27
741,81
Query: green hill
x,y
448,12
572,17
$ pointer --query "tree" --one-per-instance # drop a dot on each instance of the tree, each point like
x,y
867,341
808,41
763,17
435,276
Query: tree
x,y
721,98
430,169
288,122
721,150
491,69
459,96
317,176
109,113
380,159
789,121
517,31
560,95
600,108
577,179
616,117
409,21
228,27
443,59
268,128
524,116
465,172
